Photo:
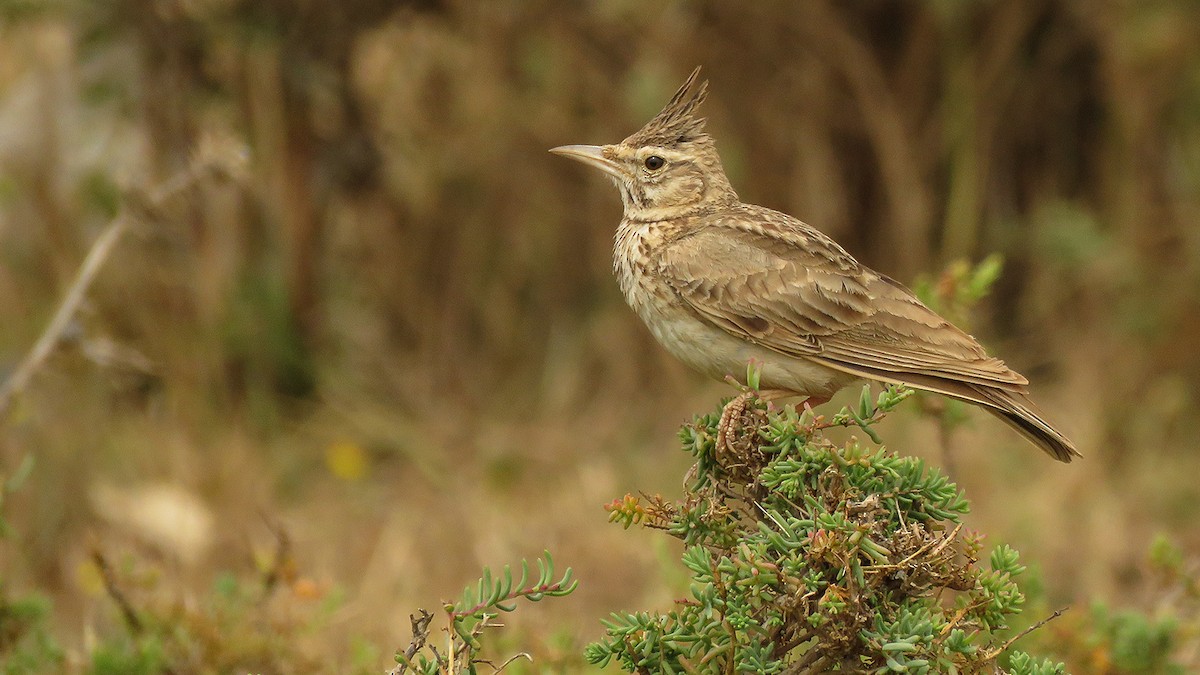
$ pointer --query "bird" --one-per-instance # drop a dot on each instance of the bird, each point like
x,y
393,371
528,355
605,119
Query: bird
x,y
720,283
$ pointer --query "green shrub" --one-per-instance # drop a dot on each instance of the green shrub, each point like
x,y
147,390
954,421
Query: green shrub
x,y
1160,636
810,556
467,619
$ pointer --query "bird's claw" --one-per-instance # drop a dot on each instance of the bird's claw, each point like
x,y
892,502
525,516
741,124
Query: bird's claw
x,y
730,414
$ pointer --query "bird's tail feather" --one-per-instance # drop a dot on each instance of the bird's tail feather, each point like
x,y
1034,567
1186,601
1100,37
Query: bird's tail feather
x,y
1007,401
1016,410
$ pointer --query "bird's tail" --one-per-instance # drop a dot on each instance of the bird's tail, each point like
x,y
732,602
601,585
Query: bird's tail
x,y
1007,401
1018,411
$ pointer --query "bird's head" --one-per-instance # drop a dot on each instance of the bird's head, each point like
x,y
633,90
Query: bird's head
x,y
670,167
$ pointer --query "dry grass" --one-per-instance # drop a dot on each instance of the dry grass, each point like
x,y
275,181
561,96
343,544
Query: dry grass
x,y
399,337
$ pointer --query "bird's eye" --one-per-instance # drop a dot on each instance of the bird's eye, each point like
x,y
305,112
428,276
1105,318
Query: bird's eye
x,y
654,162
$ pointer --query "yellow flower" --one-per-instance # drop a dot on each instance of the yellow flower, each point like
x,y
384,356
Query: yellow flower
x,y
346,460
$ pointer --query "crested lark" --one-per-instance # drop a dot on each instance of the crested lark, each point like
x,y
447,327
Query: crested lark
x,y
720,282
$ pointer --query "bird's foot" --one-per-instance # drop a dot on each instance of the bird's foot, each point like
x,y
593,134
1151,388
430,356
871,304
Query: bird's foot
x,y
731,414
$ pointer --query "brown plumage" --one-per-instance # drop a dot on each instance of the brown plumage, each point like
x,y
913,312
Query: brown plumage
x,y
720,282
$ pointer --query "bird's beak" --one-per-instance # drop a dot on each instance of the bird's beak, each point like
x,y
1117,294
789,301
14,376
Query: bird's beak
x,y
592,155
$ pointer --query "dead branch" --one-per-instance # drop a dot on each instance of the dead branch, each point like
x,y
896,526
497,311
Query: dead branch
x,y
114,591
206,162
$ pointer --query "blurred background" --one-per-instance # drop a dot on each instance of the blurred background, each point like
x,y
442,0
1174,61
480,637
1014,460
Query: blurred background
x,y
391,350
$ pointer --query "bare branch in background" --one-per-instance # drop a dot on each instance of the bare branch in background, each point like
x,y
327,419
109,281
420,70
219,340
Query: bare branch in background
x,y
113,588
211,158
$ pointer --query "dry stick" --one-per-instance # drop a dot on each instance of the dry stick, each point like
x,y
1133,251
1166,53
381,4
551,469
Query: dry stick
x,y
70,304
808,663
938,545
420,634
95,259
511,660
279,570
1003,648
114,591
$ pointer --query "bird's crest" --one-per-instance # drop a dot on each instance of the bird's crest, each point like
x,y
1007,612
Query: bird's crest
x,y
676,124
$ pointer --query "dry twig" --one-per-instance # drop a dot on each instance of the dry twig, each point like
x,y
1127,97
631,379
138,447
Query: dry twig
x,y
114,591
283,567
206,162
420,635
1004,647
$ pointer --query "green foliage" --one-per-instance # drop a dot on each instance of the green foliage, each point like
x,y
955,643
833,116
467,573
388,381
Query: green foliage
x,y
811,556
260,334
1136,643
26,645
129,657
263,621
960,287
18,10
242,623
1020,663
99,192
25,642
11,484
955,294
481,602
1128,641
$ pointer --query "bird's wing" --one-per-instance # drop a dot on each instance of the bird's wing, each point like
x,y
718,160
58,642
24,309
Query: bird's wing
x,y
765,277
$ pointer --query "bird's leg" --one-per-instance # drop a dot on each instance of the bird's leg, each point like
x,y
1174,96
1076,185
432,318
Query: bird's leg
x,y
769,396
732,412
814,401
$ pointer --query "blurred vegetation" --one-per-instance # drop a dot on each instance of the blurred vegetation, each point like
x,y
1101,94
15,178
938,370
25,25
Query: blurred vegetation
x,y
390,331
26,645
